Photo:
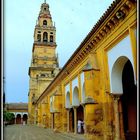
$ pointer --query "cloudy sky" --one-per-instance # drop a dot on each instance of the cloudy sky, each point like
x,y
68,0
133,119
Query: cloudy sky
x,y
73,19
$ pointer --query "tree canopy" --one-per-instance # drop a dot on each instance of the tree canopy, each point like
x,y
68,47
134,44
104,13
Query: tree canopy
x,y
8,116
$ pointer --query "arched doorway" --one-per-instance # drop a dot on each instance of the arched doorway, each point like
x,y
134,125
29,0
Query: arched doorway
x,y
71,120
80,116
18,119
128,103
123,83
25,117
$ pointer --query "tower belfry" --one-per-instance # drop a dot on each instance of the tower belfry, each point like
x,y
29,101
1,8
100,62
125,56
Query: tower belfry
x,y
44,29
44,65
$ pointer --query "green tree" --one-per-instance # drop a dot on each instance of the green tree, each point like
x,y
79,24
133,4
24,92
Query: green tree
x,y
8,116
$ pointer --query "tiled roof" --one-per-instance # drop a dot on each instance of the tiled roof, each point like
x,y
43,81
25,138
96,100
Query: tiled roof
x,y
19,106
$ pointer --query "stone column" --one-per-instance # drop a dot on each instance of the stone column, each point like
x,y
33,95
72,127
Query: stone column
x,y
121,122
15,118
75,120
116,114
68,121
21,119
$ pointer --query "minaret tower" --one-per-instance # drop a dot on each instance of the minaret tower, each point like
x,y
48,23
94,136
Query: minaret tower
x,y
44,65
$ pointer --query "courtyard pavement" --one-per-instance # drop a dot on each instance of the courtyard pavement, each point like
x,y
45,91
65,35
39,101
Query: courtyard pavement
x,y
31,132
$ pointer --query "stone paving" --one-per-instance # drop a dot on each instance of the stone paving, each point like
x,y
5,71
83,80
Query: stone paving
x,y
30,132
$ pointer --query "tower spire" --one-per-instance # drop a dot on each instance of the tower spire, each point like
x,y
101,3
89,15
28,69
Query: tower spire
x,y
44,1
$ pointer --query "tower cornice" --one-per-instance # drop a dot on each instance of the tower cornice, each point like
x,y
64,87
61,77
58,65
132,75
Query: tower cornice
x,y
47,44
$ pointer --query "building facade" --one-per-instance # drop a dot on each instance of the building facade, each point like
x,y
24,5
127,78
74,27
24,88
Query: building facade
x,y
20,111
98,84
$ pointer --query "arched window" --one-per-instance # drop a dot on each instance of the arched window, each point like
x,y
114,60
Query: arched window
x,y
44,22
45,37
39,37
51,38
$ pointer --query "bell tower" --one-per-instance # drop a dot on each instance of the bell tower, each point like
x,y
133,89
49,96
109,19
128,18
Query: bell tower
x,y
44,64
44,30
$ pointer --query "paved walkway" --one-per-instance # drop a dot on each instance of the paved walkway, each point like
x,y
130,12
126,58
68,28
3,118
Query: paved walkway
x,y
30,132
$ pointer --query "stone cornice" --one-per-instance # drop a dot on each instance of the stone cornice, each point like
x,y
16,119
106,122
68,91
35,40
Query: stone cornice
x,y
46,44
52,28
39,68
114,15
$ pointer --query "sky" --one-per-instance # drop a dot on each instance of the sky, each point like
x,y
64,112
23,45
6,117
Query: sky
x,y
73,21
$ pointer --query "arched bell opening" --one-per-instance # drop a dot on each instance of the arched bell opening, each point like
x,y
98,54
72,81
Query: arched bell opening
x,y
44,22
45,37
